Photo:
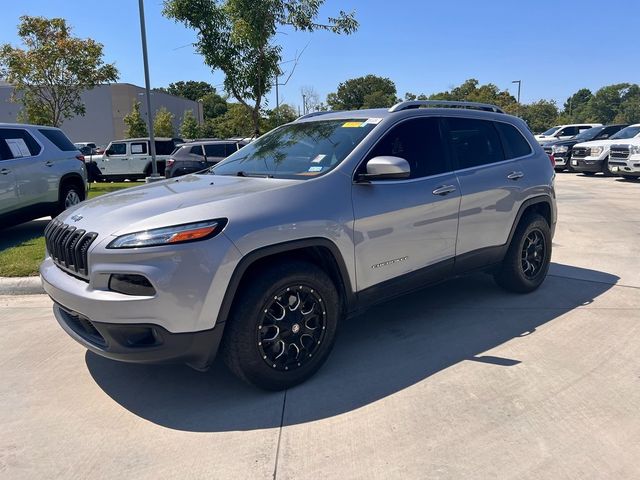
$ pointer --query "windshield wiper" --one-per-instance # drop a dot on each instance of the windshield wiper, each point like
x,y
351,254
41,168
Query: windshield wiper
x,y
242,173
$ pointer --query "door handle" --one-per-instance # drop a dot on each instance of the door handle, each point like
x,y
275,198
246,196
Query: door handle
x,y
49,163
5,171
444,190
515,175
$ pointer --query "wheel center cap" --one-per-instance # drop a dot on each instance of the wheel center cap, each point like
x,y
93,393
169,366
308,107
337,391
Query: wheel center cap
x,y
295,328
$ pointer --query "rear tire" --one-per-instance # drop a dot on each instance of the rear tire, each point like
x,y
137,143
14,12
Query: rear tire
x,y
282,326
526,263
70,195
629,177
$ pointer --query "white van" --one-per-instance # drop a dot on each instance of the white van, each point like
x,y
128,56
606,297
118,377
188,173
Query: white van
x,y
131,158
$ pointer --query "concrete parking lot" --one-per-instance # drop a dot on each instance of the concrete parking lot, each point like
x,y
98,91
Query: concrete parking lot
x,y
461,380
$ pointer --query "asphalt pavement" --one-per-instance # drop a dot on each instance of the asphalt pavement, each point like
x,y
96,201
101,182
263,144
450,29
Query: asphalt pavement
x,y
461,380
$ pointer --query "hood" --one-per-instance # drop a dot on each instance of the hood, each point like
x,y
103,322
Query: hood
x,y
598,143
186,199
556,143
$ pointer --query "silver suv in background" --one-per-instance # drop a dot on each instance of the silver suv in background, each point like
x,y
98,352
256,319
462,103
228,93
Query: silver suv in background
x,y
266,253
195,156
41,173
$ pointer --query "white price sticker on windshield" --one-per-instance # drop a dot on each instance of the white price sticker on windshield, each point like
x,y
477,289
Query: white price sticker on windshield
x,y
373,121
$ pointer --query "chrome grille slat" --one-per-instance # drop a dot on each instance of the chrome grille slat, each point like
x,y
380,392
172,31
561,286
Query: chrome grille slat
x,y
69,247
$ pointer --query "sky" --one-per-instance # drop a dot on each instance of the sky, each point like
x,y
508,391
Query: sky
x,y
554,47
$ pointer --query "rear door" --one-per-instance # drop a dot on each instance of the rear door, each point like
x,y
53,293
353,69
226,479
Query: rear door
x,y
34,174
403,226
8,185
139,157
492,182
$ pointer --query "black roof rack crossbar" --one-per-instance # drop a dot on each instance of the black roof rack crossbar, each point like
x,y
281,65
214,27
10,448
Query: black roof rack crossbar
x,y
486,107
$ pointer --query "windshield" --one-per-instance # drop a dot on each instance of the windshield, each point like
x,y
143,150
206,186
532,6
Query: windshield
x,y
589,134
628,132
551,131
298,150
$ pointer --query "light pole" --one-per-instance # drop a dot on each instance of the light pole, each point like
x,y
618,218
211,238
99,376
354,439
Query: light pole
x,y
304,104
519,82
152,142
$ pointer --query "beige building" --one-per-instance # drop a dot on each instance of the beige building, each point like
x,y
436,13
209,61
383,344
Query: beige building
x,y
106,106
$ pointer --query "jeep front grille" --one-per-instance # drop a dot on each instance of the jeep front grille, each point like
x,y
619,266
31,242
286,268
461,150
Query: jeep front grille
x,y
68,247
619,151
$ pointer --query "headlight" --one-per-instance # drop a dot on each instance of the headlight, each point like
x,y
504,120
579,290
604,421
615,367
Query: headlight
x,y
634,149
595,151
170,235
559,149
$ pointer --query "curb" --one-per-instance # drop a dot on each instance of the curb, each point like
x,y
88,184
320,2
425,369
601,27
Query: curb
x,y
21,286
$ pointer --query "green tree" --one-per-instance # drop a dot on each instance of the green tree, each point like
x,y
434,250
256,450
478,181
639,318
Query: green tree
x,y
136,126
53,70
606,103
279,116
472,91
576,104
189,128
163,123
539,115
213,105
369,91
191,89
238,37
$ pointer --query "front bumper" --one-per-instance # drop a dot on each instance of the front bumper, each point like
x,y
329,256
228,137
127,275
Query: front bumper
x,y
629,167
587,164
140,343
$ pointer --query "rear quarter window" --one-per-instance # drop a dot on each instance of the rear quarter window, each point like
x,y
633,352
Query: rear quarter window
x,y
58,138
515,145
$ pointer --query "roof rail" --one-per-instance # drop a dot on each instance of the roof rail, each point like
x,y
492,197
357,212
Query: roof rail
x,y
486,107
314,114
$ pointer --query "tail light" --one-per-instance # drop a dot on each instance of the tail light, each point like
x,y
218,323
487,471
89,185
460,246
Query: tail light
x,y
170,163
552,159
80,157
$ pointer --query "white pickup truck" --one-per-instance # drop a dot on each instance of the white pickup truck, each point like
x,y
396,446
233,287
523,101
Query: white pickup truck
x,y
564,132
131,158
624,159
596,156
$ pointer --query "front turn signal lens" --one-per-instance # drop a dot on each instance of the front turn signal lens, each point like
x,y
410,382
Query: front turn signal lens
x,y
189,232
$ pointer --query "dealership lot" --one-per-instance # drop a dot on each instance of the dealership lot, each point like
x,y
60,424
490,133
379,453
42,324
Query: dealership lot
x,y
459,380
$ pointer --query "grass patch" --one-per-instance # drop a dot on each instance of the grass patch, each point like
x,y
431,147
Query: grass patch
x,y
23,255
22,260
97,189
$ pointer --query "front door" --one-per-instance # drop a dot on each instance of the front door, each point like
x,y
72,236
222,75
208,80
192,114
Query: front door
x,y
404,226
115,160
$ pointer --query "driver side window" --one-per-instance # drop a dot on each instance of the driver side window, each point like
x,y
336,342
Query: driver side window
x,y
117,149
419,142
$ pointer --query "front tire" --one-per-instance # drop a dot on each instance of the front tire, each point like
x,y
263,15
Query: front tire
x,y
282,326
526,263
605,168
70,195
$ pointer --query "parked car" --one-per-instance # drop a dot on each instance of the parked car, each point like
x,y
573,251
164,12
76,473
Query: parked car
x,y
266,254
80,145
131,158
592,157
561,149
625,158
196,156
41,173
564,132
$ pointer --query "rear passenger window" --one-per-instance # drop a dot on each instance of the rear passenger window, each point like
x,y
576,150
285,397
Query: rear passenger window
x,y
58,138
515,145
474,142
197,150
17,143
164,147
139,148
419,142
215,150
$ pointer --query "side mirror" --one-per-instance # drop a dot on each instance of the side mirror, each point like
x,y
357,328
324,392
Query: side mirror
x,y
385,167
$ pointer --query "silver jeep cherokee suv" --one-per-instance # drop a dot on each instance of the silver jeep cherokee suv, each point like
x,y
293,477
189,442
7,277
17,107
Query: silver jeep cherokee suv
x,y
264,255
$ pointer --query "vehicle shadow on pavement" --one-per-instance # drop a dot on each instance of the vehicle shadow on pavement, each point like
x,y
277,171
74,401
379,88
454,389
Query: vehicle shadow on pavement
x,y
13,236
385,350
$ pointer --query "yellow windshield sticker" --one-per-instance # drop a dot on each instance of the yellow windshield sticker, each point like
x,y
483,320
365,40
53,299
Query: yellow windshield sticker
x,y
352,124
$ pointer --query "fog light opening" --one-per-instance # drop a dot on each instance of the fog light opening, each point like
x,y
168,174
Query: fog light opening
x,y
131,284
